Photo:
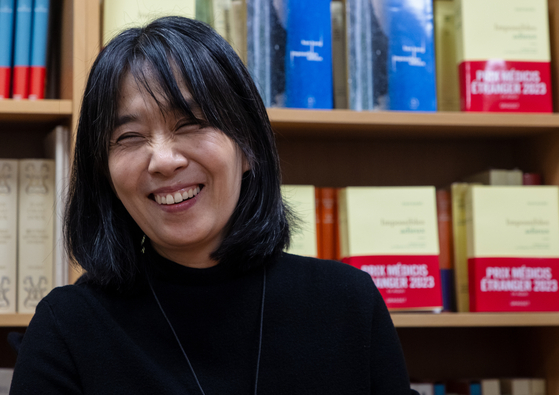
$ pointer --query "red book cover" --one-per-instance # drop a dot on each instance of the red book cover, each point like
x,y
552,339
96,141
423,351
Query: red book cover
x,y
328,223
318,206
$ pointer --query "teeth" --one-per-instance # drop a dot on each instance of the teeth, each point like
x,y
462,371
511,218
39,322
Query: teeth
x,y
177,197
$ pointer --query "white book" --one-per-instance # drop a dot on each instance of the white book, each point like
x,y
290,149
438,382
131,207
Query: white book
x,y
339,54
5,380
301,199
36,221
8,234
423,388
57,147
490,387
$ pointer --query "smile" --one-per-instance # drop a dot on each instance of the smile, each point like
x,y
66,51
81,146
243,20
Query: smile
x,y
177,197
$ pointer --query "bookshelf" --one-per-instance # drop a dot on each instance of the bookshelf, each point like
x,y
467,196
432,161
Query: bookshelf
x,y
24,124
340,148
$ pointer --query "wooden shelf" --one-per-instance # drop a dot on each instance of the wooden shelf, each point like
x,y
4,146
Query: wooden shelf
x,y
425,320
15,320
346,123
35,110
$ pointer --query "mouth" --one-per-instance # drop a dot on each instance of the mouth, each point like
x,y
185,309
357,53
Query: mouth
x,y
177,197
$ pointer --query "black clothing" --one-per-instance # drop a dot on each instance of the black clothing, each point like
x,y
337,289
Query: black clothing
x,y
326,331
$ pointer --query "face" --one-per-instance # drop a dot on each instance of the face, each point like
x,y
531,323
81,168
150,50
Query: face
x,y
179,181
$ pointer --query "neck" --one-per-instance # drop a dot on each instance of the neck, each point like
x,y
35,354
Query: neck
x,y
192,259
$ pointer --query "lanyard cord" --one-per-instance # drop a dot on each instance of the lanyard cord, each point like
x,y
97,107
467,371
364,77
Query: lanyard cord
x,y
184,352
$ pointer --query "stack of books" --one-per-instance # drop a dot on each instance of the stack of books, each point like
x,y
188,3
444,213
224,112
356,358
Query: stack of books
x,y
23,48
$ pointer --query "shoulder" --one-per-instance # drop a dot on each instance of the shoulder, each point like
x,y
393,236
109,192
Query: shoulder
x,y
324,276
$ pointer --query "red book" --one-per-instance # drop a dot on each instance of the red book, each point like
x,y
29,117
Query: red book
x,y
318,207
328,221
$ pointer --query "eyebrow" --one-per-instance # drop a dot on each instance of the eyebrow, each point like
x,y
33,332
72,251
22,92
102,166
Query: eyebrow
x,y
124,119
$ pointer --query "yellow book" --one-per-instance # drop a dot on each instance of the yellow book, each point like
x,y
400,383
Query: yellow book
x,y
119,15
513,248
301,199
448,93
391,233
458,196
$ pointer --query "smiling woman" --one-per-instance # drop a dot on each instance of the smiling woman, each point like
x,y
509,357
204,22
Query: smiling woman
x,y
176,215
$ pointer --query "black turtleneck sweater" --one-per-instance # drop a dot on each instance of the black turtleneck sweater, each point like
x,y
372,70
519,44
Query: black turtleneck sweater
x,y
325,329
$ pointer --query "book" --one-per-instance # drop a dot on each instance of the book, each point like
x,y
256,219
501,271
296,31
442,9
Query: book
x,y
490,387
513,248
301,199
496,177
22,49
6,43
411,55
6,375
391,233
446,257
448,92
238,26
367,49
35,232
39,38
327,223
503,55
204,11
220,20
459,234
266,40
122,14
523,386
318,207
57,147
308,54
339,74
423,388
531,179
8,234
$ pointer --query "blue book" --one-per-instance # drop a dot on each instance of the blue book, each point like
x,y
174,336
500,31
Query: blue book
x,y
39,49
411,55
22,48
475,389
308,54
439,389
447,289
6,40
266,49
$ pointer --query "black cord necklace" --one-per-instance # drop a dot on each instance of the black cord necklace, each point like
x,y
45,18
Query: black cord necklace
x,y
182,348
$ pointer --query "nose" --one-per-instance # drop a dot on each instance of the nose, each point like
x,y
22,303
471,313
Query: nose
x,y
166,158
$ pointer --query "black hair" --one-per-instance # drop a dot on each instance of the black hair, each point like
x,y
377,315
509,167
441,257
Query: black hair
x,y
99,233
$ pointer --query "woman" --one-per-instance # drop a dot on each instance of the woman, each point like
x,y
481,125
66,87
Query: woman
x,y
176,215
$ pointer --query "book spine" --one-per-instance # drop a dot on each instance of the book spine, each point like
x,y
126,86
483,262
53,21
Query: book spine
x,y
266,39
220,22
339,54
356,83
411,75
308,61
39,41
8,234
458,194
238,23
446,259
6,43
319,208
22,48
35,232
448,92
203,11
328,224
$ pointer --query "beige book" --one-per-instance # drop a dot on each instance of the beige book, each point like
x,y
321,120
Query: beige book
x,y
448,92
8,234
35,231
459,234
388,221
221,19
57,147
496,177
338,54
6,375
238,28
490,387
122,14
301,199
494,29
508,221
